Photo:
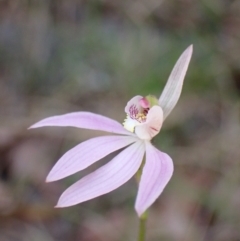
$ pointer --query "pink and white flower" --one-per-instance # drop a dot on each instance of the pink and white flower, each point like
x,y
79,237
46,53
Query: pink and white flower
x,y
145,116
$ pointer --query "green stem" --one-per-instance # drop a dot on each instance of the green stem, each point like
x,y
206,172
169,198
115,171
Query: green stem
x,y
142,227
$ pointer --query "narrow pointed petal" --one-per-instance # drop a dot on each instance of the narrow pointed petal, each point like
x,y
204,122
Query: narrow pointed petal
x,y
86,153
153,124
157,172
105,179
173,88
84,120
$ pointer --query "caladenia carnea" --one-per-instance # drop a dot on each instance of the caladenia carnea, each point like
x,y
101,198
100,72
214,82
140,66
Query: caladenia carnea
x,y
144,118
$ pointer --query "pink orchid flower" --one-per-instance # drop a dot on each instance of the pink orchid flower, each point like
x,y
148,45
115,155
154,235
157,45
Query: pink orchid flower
x,y
145,116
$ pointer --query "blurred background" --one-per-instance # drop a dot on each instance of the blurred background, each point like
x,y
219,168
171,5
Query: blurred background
x,y
61,56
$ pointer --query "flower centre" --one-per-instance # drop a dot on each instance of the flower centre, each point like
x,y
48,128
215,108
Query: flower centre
x,y
137,110
136,115
134,118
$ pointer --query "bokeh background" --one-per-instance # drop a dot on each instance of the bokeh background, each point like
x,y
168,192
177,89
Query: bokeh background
x,y
61,56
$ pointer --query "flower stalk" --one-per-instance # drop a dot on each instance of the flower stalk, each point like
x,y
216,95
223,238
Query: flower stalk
x,y
142,227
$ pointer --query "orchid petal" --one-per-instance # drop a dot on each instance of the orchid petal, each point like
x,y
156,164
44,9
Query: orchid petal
x,y
84,120
153,124
106,178
86,153
157,172
173,88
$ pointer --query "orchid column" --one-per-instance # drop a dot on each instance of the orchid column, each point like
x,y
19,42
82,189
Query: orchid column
x,y
144,119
